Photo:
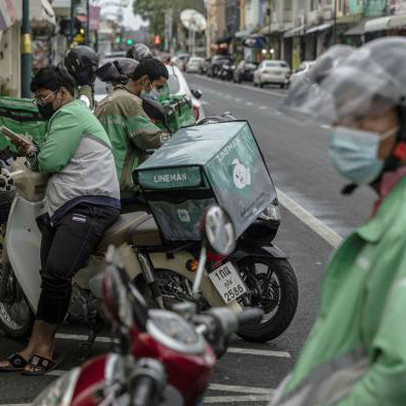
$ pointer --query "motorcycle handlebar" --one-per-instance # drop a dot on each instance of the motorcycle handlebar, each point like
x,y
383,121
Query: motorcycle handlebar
x,y
250,316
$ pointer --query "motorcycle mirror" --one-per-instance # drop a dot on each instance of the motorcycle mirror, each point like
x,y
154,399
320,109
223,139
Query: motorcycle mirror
x,y
197,93
218,234
154,109
218,231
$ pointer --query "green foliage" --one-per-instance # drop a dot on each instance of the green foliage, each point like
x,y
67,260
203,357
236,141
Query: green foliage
x,y
153,11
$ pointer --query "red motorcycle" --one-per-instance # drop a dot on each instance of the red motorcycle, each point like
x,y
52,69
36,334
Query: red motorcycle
x,y
164,358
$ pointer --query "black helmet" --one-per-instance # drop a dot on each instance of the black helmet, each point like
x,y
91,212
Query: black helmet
x,y
139,52
82,63
117,70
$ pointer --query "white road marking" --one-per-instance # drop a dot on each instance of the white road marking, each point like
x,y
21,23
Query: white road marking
x,y
240,389
261,353
80,337
249,103
254,89
324,231
263,107
237,100
236,399
326,126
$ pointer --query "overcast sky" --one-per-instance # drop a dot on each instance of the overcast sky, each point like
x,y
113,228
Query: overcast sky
x,y
130,20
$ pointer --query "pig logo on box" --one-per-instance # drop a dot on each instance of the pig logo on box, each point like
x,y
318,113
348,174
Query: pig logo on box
x,y
241,175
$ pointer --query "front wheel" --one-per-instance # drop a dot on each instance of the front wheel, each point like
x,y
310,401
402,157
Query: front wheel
x,y
16,316
272,286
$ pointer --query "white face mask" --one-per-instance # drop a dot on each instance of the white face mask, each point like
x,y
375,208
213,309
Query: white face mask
x,y
354,153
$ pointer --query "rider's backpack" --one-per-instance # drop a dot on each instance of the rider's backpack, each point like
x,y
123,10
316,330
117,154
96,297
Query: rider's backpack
x,y
21,116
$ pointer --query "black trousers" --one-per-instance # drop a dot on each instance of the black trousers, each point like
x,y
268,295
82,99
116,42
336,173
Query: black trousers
x,y
65,248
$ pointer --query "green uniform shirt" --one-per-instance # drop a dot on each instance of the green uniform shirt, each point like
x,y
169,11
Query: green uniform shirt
x,y
363,306
130,130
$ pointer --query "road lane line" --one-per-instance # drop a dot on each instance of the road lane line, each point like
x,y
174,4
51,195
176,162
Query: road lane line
x,y
324,231
262,353
240,389
254,89
249,103
236,399
80,337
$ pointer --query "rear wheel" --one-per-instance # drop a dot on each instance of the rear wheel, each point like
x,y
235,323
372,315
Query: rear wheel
x,y
272,287
261,84
16,316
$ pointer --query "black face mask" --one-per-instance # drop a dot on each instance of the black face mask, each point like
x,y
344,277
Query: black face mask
x,y
46,111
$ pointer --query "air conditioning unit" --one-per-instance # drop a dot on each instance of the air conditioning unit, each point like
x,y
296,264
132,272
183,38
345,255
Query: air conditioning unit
x,y
328,13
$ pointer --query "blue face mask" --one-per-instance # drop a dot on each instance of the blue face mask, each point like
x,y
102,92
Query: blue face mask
x,y
353,153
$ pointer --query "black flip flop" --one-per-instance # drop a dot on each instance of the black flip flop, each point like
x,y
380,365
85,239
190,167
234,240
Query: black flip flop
x,y
42,365
17,363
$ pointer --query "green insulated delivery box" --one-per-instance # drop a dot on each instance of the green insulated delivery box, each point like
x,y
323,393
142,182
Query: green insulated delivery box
x,y
201,165
179,112
21,116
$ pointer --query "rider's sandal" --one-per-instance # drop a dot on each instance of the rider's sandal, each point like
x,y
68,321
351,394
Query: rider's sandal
x,y
17,363
40,365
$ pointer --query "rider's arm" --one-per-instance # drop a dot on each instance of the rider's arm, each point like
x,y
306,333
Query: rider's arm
x,y
64,135
385,381
144,134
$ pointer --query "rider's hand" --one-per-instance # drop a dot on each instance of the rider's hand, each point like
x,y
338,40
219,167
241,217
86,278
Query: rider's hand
x,y
23,148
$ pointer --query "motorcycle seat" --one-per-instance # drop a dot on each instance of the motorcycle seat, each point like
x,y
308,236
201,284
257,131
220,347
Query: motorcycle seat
x,y
136,228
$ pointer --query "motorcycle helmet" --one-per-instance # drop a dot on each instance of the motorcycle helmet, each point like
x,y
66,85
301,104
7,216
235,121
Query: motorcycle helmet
x,y
139,52
117,71
82,62
365,82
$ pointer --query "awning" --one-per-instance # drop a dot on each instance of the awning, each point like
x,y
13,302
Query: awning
x,y
243,33
255,41
62,8
7,14
42,13
397,21
294,32
377,24
318,28
358,29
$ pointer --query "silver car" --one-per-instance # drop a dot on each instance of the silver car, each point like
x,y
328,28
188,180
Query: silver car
x,y
272,72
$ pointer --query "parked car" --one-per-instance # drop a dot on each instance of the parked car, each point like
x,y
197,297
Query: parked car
x,y
178,85
244,71
180,61
206,65
215,65
272,72
226,71
195,64
299,73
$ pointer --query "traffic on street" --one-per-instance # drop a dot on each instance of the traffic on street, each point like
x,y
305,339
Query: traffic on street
x,y
202,203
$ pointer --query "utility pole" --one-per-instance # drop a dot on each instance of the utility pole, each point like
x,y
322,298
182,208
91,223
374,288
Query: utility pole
x,y
26,52
335,23
87,38
72,19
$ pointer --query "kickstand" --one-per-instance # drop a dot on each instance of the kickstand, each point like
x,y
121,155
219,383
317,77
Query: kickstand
x,y
93,333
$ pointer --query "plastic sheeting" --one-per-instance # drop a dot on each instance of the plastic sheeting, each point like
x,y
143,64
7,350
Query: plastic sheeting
x,y
201,165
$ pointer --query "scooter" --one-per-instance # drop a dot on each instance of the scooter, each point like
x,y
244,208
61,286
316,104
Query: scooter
x,y
185,342
20,259
260,271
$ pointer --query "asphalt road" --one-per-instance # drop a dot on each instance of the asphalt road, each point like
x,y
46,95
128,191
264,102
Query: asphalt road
x,y
296,154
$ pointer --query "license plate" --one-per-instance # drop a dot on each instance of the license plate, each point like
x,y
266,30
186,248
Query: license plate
x,y
228,282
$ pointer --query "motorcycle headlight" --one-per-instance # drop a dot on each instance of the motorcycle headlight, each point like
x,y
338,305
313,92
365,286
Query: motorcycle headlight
x,y
60,392
272,212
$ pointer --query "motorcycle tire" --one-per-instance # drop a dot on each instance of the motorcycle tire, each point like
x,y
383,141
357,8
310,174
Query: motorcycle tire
x,y
283,315
16,316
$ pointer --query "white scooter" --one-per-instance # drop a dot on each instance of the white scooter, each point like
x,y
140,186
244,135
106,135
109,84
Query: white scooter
x,y
136,232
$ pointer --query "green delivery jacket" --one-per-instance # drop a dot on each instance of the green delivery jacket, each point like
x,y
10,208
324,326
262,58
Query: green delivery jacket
x,y
356,352
130,130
